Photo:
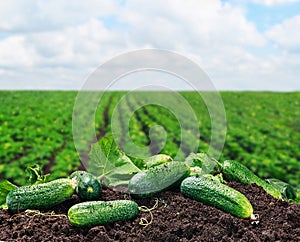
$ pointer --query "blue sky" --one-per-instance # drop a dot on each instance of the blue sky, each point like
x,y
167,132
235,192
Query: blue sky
x,y
265,16
241,45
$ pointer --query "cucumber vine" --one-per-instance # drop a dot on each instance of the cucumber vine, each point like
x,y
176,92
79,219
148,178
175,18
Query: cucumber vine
x,y
33,213
143,221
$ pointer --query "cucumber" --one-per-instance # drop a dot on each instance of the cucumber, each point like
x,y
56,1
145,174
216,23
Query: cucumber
x,y
41,195
94,213
235,171
147,183
89,187
214,193
157,160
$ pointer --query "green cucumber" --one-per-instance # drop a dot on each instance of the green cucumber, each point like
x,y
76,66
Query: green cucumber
x,y
212,192
41,195
157,160
89,187
94,213
235,171
147,183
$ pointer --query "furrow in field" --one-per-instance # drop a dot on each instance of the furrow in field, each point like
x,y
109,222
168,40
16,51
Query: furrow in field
x,y
103,123
52,161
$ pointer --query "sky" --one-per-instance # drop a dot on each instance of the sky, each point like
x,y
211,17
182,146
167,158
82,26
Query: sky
x,y
239,44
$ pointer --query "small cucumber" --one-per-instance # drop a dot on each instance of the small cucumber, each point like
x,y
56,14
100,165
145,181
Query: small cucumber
x,y
41,195
212,192
146,183
235,171
94,213
157,160
89,186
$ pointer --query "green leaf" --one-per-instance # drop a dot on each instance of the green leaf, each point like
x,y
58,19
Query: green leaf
x,y
297,200
140,163
3,206
35,175
216,178
202,160
5,188
287,191
110,164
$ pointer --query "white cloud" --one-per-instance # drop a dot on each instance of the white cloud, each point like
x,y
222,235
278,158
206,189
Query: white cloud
x,y
15,52
286,35
38,15
199,23
215,35
83,45
86,44
56,44
274,2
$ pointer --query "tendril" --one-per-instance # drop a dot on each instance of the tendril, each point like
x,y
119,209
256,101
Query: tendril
x,y
143,221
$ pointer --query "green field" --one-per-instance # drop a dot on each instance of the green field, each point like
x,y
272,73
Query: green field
x,y
263,130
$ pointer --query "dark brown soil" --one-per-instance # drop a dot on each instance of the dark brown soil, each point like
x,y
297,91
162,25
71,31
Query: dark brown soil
x,y
176,219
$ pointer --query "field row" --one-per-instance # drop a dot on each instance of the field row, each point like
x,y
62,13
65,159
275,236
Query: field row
x,y
36,127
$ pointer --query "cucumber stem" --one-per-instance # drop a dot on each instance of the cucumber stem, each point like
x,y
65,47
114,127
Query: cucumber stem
x,y
33,213
218,163
74,183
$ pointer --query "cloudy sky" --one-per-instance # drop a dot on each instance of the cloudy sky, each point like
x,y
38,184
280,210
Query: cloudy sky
x,y
241,45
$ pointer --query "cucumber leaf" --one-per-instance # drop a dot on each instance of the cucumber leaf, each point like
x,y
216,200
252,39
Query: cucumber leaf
x,y
140,163
216,178
287,191
297,199
5,188
110,164
35,175
203,161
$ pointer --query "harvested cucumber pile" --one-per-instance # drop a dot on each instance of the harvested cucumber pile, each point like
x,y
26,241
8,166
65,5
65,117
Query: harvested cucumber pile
x,y
199,177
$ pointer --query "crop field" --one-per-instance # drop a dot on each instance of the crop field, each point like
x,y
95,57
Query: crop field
x,y
263,130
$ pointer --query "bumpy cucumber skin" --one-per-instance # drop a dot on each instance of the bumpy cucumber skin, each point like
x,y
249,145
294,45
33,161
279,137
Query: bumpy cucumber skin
x,y
235,171
88,214
89,187
149,182
216,194
41,195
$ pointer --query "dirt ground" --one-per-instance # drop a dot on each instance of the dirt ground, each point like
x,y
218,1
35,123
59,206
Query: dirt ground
x,y
175,219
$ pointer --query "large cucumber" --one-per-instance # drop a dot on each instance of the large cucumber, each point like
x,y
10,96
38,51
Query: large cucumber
x,y
235,171
146,183
89,187
40,196
101,212
212,192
